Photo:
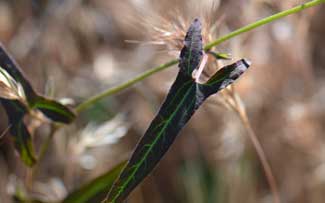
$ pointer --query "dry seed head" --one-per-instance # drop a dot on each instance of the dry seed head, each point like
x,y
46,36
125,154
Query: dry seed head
x,y
10,88
108,133
6,92
171,31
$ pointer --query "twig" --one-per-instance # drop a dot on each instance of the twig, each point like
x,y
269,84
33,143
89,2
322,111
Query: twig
x,y
261,155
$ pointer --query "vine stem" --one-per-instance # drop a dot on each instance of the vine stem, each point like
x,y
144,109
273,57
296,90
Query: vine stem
x,y
44,147
262,22
84,105
92,100
47,142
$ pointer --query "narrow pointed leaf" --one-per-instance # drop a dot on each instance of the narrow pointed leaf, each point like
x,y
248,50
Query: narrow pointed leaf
x,y
54,110
23,143
225,76
87,193
96,187
22,139
220,56
183,99
191,54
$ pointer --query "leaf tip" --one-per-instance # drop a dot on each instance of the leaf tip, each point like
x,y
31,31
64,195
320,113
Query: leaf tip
x,y
246,62
54,110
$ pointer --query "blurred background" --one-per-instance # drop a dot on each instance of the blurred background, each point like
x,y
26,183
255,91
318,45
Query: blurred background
x,y
71,50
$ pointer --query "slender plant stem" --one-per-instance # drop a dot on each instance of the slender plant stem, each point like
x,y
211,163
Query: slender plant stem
x,y
233,102
5,131
84,105
261,155
47,142
262,22
92,100
44,147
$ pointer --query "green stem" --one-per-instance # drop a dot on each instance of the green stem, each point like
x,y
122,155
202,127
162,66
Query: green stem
x,y
44,147
47,142
262,22
84,105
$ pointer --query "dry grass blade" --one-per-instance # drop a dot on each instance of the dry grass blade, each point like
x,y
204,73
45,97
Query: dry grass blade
x,y
233,101
262,157
5,131
7,92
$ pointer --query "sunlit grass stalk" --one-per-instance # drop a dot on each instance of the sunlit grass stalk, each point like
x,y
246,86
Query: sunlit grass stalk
x,y
92,100
233,102
5,131
261,156
262,22
44,147
240,110
47,142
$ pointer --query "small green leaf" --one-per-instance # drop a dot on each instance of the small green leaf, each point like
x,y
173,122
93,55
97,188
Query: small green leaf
x,y
183,99
22,139
98,186
54,110
218,56
23,143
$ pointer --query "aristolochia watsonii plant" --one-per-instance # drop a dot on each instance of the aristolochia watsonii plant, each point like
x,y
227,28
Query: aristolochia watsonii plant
x,y
184,98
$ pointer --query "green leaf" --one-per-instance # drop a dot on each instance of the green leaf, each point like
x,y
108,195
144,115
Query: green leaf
x,y
85,194
191,54
183,99
22,139
54,110
99,185
220,56
225,76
